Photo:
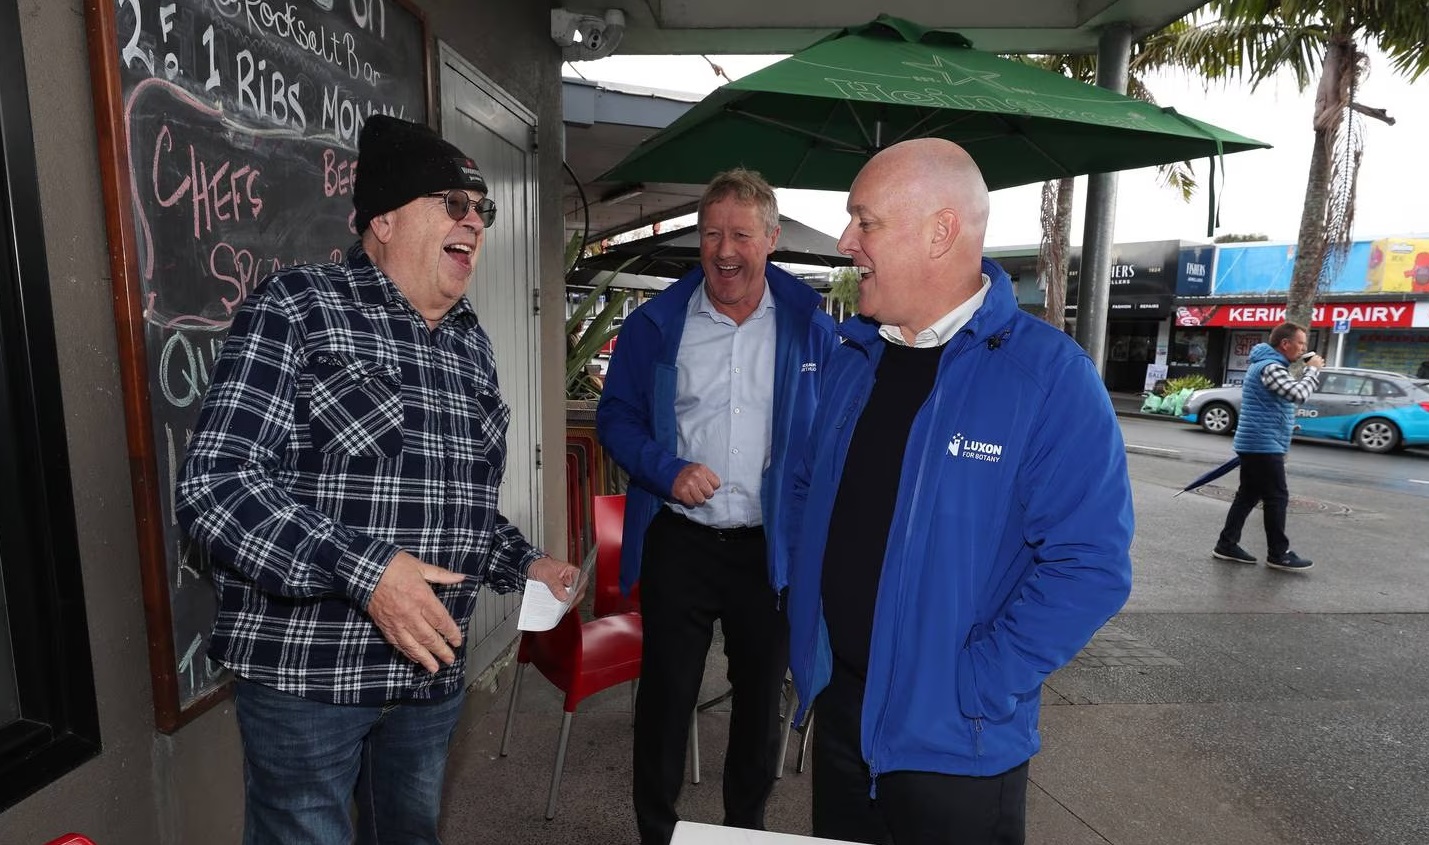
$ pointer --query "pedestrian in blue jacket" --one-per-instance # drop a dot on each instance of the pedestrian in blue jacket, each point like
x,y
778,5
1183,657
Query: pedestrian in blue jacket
x,y
711,385
965,521
1268,398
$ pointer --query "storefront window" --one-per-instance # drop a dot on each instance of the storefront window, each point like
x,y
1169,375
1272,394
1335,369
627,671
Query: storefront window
x,y
49,721
1188,348
9,693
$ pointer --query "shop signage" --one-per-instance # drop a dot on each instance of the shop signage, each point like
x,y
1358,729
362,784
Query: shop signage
x,y
1193,274
1367,315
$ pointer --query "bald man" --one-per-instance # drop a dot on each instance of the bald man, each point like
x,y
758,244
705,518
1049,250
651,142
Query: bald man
x,y
965,521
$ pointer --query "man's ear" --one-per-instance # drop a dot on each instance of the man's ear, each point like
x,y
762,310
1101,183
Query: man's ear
x,y
383,227
947,225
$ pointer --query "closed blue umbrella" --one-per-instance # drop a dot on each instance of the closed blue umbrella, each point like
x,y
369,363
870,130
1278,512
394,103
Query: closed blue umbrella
x,y
1208,477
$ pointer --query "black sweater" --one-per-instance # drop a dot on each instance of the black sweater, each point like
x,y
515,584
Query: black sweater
x,y
868,491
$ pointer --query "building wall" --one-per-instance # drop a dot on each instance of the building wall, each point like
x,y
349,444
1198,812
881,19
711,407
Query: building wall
x,y
146,787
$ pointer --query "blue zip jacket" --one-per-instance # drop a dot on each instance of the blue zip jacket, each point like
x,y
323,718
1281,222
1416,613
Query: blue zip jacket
x,y
1010,542
635,420
1266,418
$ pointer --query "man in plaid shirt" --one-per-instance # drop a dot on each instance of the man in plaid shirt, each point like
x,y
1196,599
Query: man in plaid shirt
x,y
344,474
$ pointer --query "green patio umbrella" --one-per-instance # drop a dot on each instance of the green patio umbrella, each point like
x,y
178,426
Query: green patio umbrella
x,y
675,253
813,119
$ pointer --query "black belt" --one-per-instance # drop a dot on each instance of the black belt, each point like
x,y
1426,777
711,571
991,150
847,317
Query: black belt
x,y
723,535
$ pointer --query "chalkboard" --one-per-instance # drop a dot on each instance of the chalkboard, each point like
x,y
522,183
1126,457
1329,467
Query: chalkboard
x,y
228,133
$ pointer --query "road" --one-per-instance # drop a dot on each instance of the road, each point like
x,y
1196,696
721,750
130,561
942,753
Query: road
x,y
1405,471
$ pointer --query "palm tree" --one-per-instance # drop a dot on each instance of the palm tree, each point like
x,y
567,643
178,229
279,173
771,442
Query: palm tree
x,y
1253,40
1054,253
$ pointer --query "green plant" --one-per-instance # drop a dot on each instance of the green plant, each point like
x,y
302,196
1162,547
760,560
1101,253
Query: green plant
x,y
1192,382
843,288
584,340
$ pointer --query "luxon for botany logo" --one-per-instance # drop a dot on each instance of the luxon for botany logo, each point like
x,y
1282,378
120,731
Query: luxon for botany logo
x,y
977,450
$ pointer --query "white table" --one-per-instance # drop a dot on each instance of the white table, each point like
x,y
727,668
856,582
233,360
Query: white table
x,y
693,833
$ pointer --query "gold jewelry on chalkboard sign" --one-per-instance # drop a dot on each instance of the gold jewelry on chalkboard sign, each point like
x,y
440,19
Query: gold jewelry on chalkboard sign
x,y
459,204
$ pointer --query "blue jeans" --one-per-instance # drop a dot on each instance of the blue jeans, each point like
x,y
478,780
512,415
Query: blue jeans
x,y
304,762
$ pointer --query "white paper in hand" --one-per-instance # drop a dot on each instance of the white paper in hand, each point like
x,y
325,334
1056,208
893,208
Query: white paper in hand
x,y
540,609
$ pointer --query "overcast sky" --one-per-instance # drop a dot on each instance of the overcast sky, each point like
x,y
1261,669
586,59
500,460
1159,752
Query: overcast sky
x,y
1263,190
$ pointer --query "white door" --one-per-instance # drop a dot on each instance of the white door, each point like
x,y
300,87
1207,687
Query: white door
x,y
499,134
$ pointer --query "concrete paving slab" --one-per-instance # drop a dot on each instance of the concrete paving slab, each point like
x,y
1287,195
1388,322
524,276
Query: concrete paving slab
x,y
1309,773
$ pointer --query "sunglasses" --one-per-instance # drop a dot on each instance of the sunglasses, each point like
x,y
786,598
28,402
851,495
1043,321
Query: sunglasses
x,y
459,203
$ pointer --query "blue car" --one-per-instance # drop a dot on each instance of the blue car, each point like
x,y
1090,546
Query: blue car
x,y
1377,411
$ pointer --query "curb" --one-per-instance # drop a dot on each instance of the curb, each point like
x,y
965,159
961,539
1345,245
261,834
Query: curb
x,y
1137,414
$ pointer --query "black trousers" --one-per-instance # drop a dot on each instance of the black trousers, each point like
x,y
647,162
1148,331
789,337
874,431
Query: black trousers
x,y
690,576
912,808
1262,479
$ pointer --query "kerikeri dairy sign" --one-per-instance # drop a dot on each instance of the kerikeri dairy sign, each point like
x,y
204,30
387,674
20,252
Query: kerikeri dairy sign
x,y
1362,315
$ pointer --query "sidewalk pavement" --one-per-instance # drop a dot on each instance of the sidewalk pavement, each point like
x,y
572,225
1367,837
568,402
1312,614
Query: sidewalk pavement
x,y
1129,405
1225,705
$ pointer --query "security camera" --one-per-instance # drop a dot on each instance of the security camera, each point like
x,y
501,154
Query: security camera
x,y
583,38
592,35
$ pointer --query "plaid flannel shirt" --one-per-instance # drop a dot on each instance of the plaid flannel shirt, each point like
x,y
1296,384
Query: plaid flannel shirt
x,y
338,430
1276,376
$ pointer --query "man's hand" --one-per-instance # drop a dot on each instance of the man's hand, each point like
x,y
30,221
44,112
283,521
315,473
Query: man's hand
x,y
558,575
1315,361
695,484
409,615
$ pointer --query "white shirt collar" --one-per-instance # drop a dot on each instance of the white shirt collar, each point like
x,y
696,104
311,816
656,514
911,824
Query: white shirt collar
x,y
701,304
945,326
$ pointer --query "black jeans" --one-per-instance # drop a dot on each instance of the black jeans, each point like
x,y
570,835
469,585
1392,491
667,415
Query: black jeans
x,y
912,808
689,577
1262,479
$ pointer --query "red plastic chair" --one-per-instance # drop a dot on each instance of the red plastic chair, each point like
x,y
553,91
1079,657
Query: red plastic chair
x,y
580,659
608,519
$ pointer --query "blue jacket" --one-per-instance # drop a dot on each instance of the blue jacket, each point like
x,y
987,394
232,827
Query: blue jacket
x,y
635,420
1266,418
1010,542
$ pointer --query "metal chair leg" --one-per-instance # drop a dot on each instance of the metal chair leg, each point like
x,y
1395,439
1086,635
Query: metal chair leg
x,y
789,711
695,746
560,765
804,743
511,708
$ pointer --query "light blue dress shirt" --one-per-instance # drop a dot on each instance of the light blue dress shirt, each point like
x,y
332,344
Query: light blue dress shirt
x,y
723,406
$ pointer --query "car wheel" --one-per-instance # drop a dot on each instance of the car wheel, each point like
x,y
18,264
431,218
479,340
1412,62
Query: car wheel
x,y
1218,418
1376,435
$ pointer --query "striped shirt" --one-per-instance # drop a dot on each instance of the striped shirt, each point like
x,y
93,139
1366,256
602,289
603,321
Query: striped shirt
x,y
338,430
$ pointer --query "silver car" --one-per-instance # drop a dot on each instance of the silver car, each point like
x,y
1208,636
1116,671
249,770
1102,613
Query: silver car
x,y
1376,410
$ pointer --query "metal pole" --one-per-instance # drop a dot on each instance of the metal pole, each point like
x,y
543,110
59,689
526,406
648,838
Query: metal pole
x,y
1094,288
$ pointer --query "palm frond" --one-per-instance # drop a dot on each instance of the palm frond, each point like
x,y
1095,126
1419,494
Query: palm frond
x,y
580,350
1180,177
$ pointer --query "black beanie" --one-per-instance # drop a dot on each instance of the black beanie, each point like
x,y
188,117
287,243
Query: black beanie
x,y
398,161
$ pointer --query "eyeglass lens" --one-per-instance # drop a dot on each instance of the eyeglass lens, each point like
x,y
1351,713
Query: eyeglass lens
x,y
458,201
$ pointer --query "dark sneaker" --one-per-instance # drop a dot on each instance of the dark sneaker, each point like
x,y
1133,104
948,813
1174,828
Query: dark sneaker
x,y
1235,554
1290,562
